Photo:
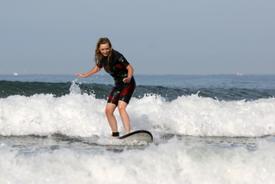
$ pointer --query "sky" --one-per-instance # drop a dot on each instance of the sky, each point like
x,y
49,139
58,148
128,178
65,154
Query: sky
x,y
157,37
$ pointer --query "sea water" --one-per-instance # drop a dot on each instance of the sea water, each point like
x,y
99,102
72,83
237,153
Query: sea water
x,y
207,129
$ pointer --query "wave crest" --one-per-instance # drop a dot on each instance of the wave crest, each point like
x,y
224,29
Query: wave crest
x,y
83,115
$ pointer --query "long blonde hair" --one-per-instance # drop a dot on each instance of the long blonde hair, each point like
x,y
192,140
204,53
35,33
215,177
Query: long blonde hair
x,y
98,55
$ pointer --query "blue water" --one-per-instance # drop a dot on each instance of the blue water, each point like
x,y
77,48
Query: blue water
x,y
222,87
186,81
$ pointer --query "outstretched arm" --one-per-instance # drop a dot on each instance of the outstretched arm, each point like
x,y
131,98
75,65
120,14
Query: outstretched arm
x,y
89,73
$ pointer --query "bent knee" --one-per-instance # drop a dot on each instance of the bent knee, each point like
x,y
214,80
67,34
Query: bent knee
x,y
109,111
121,108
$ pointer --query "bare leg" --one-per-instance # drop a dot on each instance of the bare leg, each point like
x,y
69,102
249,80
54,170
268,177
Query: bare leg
x,y
124,115
109,111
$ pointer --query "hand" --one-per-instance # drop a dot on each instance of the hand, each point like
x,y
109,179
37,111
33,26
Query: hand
x,y
80,75
127,79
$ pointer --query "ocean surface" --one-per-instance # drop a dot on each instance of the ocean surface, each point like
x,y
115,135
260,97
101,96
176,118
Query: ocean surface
x,y
208,129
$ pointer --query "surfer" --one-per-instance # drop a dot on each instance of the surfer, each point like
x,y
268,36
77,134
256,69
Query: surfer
x,y
119,68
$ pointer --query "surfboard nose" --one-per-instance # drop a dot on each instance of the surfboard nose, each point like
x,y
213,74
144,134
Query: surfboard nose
x,y
138,135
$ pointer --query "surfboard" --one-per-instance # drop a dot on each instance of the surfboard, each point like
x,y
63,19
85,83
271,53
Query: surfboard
x,y
135,138
138,136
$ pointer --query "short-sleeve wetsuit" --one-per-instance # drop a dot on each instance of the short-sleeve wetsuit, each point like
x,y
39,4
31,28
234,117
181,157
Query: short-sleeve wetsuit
x,y
116,66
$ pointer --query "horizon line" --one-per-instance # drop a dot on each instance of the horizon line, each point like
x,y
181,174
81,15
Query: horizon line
x,y
167,74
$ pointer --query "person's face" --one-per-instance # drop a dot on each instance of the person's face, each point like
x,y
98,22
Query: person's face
x,y
105,49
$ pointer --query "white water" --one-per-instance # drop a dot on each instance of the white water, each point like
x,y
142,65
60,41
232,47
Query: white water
x,y
83,115
173,162
176,161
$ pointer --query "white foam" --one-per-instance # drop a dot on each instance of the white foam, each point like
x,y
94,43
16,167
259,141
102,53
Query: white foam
x,y
173,163
72,114
194,115
83,115
74,88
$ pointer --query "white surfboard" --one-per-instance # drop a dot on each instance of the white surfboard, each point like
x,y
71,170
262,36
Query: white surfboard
x,y
139,136
135,138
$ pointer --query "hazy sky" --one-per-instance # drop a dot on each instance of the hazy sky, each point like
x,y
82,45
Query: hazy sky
x,y
156,36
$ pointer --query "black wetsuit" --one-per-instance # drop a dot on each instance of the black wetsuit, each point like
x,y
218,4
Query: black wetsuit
x,y
116,66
